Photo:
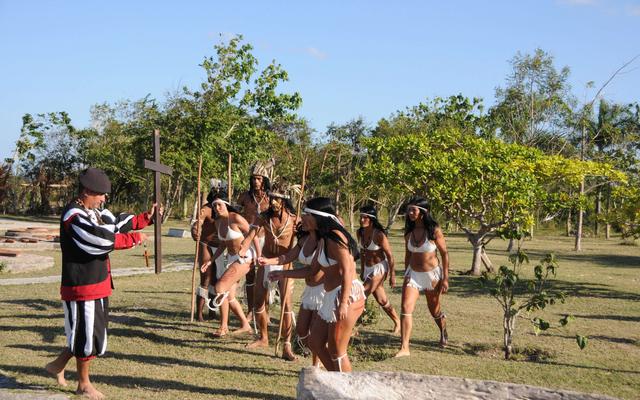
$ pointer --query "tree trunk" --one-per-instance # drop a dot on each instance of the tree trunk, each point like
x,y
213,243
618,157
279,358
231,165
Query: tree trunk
x,y
596,226
578,242
486,261
476,263
510,246
509,324
393,213
608,206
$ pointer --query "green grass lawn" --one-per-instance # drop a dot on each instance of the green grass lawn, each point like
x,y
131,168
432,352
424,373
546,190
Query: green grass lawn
x,y
154,352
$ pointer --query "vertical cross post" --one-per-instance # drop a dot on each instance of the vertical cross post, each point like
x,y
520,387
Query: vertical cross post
x,y
157,169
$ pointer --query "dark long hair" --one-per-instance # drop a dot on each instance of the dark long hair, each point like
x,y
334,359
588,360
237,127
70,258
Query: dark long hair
x,y
430,224
369,209
222,195
327,225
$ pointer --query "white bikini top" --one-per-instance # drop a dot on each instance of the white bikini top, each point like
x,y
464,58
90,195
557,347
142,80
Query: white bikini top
x,y
306,260
231,234
323,260
426,247
372,244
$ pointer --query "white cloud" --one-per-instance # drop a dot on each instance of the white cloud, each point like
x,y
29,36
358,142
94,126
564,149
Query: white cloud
x,y
633,10
315,53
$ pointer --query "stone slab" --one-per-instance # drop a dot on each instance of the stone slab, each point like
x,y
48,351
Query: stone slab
x,y
179,233
317,384
26,263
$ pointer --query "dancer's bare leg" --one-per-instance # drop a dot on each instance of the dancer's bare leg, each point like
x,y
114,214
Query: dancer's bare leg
x,y
287,323
339,335
85,388
409,297
318,342
57,366
261,314
383,300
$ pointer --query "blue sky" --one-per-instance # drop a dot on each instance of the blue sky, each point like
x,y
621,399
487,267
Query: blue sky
x,y
346,58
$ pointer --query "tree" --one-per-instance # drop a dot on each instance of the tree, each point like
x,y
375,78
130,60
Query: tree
x,y
533,107
482,184
47,150
517,296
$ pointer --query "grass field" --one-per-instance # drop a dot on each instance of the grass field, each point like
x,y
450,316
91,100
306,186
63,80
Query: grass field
x,y
154,352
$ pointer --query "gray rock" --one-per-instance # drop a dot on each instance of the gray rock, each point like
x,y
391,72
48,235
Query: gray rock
x,y
179,233
317,384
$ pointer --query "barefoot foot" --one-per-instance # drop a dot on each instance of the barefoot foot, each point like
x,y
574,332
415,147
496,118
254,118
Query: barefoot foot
x,y
244,329
287,353
57,373
220,332
402,353
89,392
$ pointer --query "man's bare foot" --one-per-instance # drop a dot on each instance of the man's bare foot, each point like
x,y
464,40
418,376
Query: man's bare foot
x,y
244,329
402,353
258,343
57,373
89,392
444,338
396,329
287,353
200,318
220,332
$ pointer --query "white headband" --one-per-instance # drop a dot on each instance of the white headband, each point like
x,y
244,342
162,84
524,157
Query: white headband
x,y
221,201
281,196
322,214
420,208
369,215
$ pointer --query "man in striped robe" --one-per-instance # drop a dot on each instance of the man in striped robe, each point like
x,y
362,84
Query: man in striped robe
x,y
88,234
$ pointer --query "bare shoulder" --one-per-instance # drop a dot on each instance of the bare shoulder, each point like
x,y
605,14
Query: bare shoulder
x,y
438,233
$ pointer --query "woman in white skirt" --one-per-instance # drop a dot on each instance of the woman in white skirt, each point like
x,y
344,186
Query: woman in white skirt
x,y
423,271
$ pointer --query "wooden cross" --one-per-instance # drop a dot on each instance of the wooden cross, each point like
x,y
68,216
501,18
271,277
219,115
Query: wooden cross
x,y
157,169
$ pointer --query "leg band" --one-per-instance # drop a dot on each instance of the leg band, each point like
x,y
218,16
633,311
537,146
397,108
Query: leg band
x,y
406,315
387,304
217,300
440,316
232,300
339,360
260,311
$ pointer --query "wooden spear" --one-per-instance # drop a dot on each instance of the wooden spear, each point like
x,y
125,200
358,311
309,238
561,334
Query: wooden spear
x,y
283,296
198,231
229,187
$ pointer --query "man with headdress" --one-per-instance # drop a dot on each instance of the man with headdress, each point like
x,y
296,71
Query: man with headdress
x,y
277,225
88,233
254,202
208,245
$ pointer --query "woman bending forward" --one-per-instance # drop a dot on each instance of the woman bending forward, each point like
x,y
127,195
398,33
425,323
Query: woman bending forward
x,y
343,301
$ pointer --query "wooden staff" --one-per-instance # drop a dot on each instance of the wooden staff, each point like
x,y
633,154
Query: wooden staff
x,y
283,296
146,253
229,178
198,231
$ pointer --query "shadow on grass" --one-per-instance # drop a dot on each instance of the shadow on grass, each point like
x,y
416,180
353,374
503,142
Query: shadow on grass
x,y
35,304
47,333
163,361
467,286
628,318
159,385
